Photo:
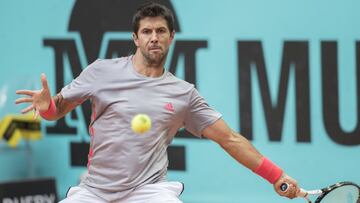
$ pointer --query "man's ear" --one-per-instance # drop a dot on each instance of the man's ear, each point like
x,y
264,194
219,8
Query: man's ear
x,y
135,38
172,35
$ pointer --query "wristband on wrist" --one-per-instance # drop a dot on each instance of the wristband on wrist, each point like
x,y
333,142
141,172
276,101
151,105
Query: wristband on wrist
x,y
50,112
268,170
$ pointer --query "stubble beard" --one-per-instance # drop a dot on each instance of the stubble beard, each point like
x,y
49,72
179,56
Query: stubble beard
x,y
154,59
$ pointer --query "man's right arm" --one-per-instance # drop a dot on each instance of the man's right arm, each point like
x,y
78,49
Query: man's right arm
x,y
63,107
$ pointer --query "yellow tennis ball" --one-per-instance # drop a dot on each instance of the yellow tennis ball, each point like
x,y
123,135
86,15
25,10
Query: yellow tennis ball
x,y
141,123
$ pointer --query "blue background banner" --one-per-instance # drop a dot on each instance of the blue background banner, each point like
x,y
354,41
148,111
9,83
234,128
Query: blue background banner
x,y
283,73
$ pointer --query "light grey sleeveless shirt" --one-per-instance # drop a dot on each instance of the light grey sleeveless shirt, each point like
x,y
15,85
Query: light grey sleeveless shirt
x,y
119,159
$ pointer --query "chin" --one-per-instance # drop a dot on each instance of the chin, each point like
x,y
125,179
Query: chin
x,y
156,57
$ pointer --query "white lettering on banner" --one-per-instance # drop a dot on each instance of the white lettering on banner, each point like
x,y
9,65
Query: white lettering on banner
x,y
31,199
7,200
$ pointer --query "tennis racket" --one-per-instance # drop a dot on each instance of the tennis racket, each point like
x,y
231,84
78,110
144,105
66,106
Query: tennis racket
x,y
342,192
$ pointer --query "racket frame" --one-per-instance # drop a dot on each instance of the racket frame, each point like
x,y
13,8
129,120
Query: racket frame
x,y
322,192
327,190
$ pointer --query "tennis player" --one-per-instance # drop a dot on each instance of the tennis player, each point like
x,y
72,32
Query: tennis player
x,y
124,167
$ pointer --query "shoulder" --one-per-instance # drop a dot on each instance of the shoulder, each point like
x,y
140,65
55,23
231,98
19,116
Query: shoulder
x,y
104,66
108,63
180,83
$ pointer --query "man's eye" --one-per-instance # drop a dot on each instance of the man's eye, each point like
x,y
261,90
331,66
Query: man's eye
x,y
146,31
161,31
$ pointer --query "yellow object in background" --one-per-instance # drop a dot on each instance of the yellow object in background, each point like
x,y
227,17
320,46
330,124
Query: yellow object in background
x,y
13,128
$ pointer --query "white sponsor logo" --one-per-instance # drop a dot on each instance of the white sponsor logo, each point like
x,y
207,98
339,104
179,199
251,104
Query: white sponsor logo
x,y
45,198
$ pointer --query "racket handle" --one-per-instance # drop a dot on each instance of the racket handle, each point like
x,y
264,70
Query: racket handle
x,y
301,193
284,187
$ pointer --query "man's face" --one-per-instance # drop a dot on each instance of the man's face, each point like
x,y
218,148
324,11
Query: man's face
x,y
153,39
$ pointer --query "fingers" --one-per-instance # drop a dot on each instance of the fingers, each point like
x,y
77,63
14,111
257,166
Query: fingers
x,y
32,92
26,92
292,189
23,100
44,81
290,192
36,113
27,109
300,192
36,97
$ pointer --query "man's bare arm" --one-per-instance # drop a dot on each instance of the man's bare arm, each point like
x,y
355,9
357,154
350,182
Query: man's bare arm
x,y
245,153
233,143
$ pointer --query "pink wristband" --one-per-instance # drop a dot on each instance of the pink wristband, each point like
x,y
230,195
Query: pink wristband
x,y
50,112
268,171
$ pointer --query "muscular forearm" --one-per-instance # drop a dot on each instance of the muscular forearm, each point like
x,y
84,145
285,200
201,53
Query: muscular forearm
x,y
245,153
234,144
242,150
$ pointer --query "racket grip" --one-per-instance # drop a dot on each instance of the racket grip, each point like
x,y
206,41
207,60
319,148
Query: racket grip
x,y
284,187
301,193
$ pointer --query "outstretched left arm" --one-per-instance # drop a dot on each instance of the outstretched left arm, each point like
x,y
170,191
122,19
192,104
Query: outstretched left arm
x,y
245,153
233,143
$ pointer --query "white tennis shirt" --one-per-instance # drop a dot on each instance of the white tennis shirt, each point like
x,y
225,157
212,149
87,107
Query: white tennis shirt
x,y
119,159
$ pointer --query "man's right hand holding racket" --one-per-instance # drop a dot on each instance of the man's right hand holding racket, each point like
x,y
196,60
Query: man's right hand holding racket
x,y
292,190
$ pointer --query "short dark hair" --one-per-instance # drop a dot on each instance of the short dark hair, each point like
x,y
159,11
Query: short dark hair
x,y
152,9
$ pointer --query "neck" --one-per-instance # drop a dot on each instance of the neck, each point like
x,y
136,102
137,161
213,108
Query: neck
x,y
145,68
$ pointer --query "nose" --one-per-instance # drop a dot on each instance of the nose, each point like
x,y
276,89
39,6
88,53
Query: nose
x,y
154,37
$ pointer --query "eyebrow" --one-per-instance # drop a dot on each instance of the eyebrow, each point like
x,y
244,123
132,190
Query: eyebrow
x,y
161,27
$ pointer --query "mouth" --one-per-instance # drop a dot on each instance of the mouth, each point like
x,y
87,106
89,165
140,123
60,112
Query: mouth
x,y
155,49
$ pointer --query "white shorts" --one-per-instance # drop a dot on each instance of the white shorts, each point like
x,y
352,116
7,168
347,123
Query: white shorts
x,y
162,192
